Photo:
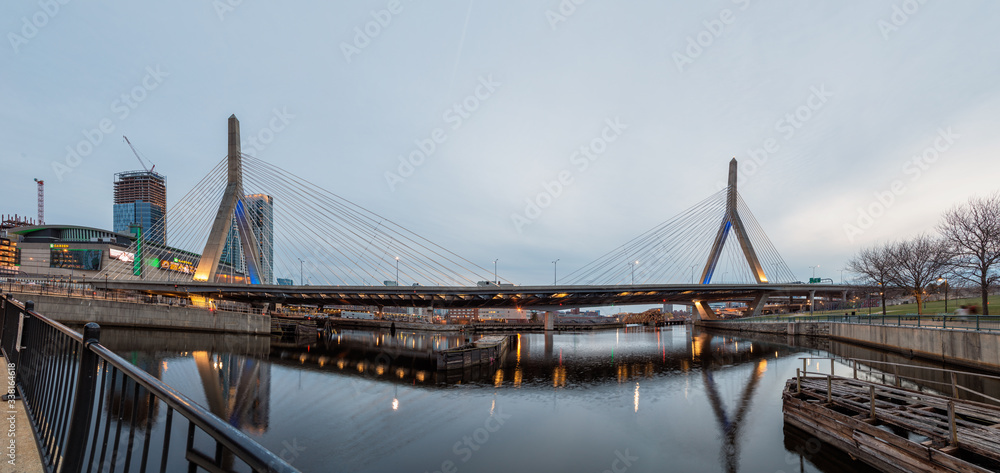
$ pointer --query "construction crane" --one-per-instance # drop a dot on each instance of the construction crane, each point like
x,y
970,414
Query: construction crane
x,y
41,201
136,153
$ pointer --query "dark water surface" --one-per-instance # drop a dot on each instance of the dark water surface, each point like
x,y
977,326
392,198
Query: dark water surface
x,y
636,400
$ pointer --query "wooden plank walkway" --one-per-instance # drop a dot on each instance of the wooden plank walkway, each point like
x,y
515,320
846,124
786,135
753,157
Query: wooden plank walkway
x,y
895,429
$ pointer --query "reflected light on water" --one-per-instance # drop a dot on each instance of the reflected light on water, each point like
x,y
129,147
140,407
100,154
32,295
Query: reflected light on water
x,y
559,376
636,397
395,404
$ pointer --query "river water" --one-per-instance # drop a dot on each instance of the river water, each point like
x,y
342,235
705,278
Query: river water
x,y
636,399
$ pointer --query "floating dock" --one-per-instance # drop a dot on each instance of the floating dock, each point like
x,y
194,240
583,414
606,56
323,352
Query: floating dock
x,y
895,429
489,349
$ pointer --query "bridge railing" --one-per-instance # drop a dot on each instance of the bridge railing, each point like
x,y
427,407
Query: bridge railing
x,y
91,410
974,322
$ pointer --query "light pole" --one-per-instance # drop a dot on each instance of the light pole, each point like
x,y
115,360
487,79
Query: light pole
x,y
633,265
397,270
945,280
495,278
692,273
842,276
814,270
302,280
555,266
724,277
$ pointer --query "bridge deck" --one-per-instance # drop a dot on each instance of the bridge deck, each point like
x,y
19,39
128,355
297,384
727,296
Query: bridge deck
x,y
535,297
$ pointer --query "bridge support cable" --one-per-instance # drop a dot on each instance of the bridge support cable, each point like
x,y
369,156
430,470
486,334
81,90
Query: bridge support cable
x,y
663,250
773,261
362,239
369,230
720,227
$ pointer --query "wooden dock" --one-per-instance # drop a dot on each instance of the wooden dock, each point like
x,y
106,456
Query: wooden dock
x,y
895,429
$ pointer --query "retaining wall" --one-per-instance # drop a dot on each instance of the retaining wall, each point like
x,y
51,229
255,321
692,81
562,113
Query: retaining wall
x,y
79,311
959,347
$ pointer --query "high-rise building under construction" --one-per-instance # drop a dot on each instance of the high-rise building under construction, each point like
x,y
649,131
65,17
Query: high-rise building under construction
x,y
141,204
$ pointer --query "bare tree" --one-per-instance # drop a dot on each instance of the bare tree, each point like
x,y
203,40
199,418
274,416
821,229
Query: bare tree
x,y
972,232
876,266
917,263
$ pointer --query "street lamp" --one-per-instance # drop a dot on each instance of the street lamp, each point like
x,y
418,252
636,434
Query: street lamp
x,y
692,273
555,266
814,270
397,270
302,280
633,265
945,280
495,278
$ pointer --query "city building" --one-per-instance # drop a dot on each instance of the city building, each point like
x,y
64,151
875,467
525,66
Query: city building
x,y
10,257
260,212
66,250
141,205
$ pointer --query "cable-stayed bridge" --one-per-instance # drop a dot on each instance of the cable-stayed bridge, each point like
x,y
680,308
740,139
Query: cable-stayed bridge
x,y
249,227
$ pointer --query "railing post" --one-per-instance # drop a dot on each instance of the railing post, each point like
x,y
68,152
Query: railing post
x,y
977,322
954,386
952,430
805,364
798,381
829,389
871,397
83,406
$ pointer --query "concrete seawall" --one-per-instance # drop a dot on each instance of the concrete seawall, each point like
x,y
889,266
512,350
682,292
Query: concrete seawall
x,y
979,350
79,311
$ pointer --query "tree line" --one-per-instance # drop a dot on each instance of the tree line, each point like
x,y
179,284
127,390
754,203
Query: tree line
x,y
965,247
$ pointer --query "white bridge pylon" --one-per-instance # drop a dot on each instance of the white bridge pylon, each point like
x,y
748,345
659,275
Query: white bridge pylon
x,y
232,205
731,221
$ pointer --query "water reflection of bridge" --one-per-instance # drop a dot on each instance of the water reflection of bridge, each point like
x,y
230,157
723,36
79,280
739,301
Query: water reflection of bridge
x,y
234,376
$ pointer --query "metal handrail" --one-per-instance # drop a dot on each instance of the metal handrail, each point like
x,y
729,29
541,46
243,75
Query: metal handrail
x,y
256,456
59,383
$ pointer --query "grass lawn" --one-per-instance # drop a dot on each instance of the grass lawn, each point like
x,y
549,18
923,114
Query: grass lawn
x,y
935,307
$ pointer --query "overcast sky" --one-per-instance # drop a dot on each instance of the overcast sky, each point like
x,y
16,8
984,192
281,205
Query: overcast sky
x,y
843,94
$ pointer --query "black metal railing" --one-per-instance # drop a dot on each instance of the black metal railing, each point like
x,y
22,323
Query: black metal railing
x,y
972,322
93,411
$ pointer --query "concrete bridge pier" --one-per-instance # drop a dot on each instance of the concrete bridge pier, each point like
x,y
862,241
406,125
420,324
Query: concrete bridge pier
x,y
550,320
